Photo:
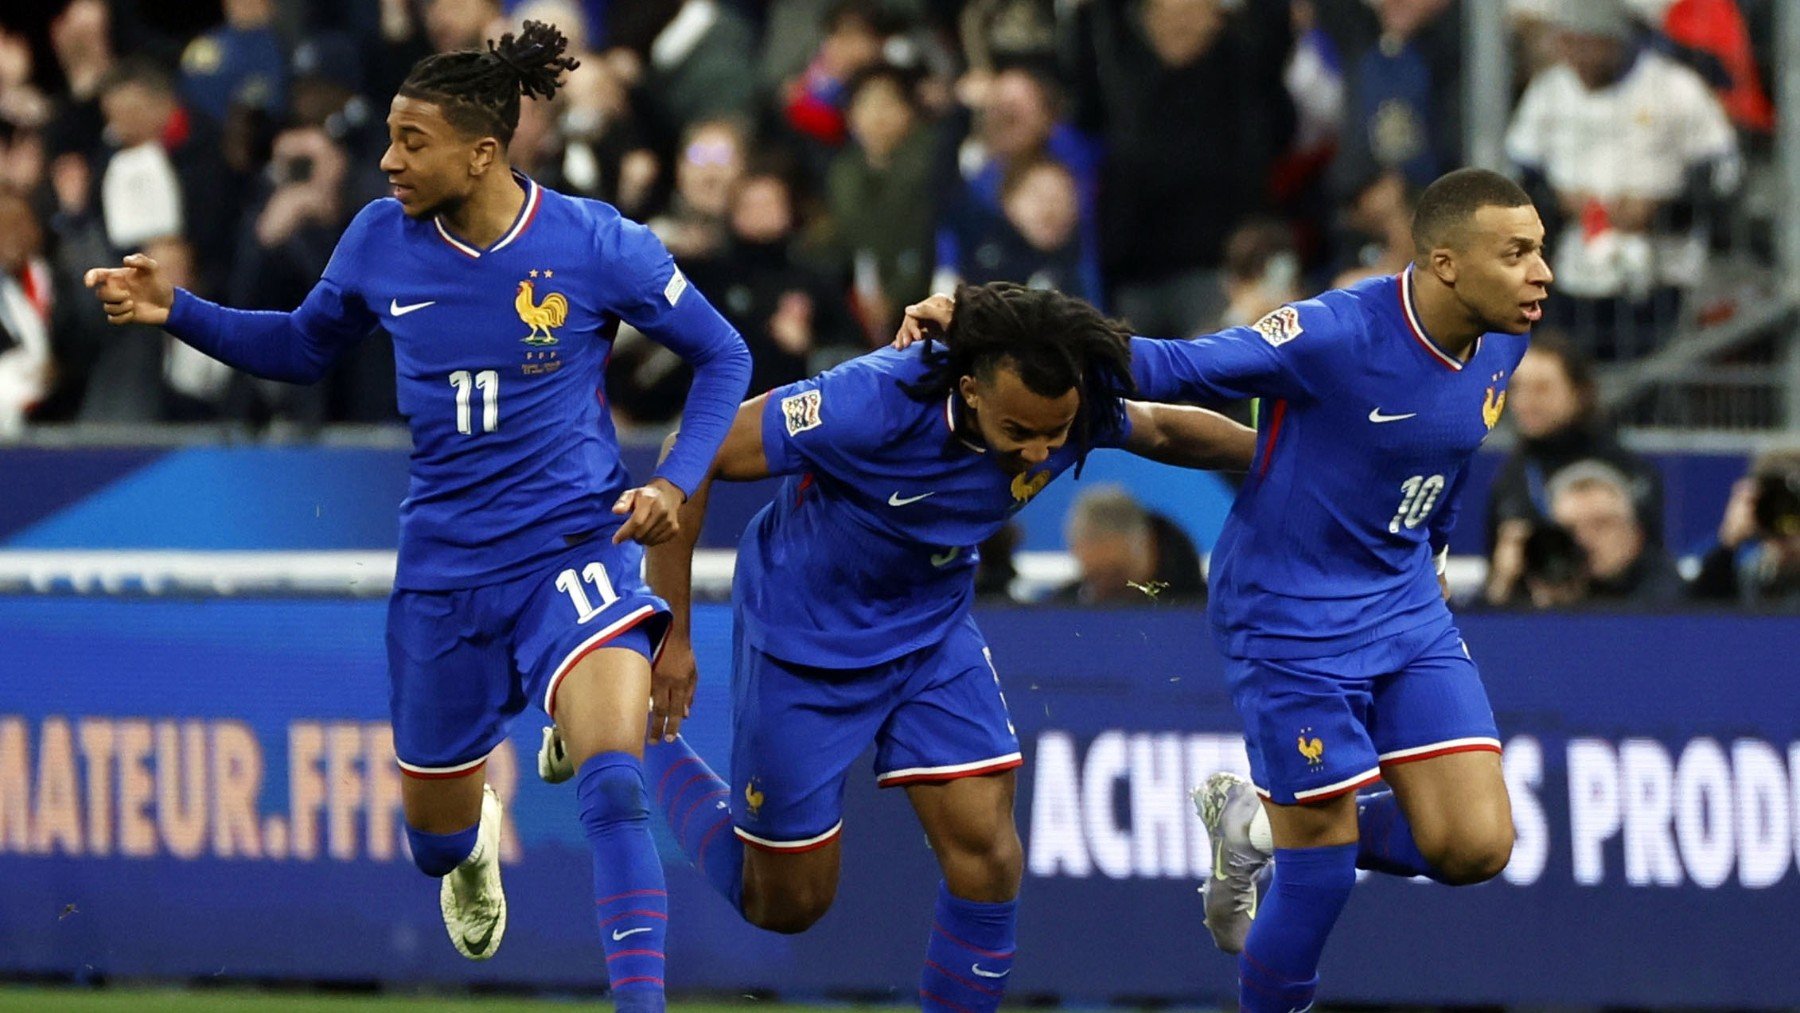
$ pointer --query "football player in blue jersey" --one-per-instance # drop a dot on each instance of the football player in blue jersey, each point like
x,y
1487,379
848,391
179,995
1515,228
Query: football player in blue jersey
x,y
519,566
1343,659
852,595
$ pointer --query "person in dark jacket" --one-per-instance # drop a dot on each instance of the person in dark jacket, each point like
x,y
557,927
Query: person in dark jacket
x,y
1551,397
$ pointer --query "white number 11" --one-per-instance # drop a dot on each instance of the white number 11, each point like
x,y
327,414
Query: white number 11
x,y
569,583
488,382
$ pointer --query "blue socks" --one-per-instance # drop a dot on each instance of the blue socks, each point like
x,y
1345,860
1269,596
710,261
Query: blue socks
x,y
696,804
630,900
1385,838
970,955
1278,972
437,854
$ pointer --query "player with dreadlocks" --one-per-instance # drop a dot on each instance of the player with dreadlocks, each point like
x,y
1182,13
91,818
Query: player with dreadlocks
x,y
852,597
520,545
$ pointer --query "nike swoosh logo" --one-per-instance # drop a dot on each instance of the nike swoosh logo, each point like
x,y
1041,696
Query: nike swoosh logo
x,y
398,310
1376,416
617,935
977,968
479,945
895,500
946,557
1219,858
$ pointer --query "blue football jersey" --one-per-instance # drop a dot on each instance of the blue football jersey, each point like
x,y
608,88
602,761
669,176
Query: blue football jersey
x,y
1363,439
500,356
868,550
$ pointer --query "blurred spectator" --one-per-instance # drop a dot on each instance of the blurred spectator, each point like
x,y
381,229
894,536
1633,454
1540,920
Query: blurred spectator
x,y
144,375
795,322
1403,95
603,152
1714,36
1037,241
1315,81
813,104
165,176
81,37
1630,156
1016,119
22,106
25,307
326,92
1128,555
1592,501
287,243
241,63
880,195
1379,241
1262,272
1007,33
458,24
1757,559
1188,96
1551,398
708,166
702,65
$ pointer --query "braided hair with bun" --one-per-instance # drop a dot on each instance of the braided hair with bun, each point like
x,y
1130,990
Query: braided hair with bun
x,y
479,91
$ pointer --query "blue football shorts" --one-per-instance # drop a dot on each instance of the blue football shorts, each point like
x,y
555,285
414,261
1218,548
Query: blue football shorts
x,y
1316,728
462,664
934,715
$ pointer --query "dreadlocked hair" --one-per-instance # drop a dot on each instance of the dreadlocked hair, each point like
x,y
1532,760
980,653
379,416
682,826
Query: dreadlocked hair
x,y
479,92
1054,342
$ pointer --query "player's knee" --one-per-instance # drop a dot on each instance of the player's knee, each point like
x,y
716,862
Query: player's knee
x,y
790,909
986,866
1475,857
611,789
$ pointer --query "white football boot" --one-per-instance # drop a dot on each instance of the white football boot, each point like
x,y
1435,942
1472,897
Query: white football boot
x,y
470,896
553,757
1228,805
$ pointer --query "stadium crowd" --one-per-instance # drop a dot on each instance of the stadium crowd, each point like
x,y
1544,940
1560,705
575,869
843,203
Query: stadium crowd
x,y
816,165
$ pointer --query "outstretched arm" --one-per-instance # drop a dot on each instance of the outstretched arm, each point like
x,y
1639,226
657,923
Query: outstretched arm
x,y
669,567
1189,437
296,347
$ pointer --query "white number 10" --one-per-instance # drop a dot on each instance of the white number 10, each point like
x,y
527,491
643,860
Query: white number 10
x,y
1418,495
569,583
488,382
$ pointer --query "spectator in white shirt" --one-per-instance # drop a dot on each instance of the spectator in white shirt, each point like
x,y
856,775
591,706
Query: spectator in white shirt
x,y
1632,152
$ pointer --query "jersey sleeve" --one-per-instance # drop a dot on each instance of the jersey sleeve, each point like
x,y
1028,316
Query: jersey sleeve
x,y
1282,355
647,291
830,422
296,347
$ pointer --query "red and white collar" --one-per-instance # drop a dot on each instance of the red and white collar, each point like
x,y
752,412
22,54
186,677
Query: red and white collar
x,y
527,211
1417,328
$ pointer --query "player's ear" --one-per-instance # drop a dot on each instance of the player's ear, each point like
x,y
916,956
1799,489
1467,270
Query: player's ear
x,y
482,158
969,389
1443,264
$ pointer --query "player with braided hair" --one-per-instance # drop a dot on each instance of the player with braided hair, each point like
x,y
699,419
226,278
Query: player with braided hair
x,y
852,597
520,548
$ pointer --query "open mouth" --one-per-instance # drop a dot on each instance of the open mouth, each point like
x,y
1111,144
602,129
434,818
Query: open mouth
x,y
1534,310
402,192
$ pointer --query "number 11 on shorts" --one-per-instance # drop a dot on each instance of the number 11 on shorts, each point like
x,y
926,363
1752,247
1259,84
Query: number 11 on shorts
x,y
569,583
